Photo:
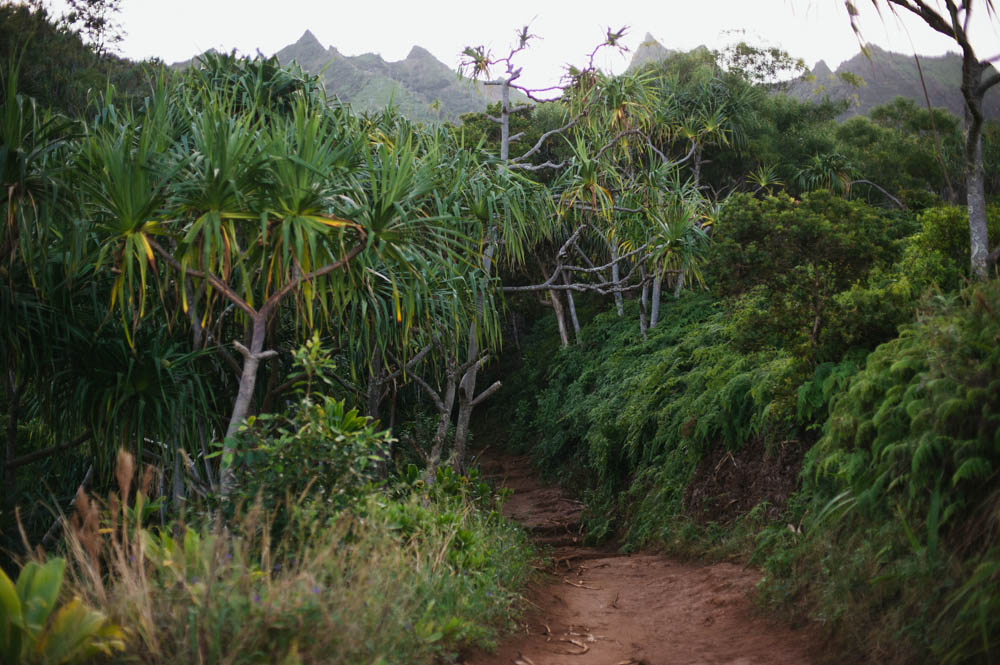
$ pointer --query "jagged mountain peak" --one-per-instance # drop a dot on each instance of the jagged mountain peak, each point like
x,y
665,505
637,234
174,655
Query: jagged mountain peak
x,y
308,39
822,70
877,76
420,86
649,50
420,53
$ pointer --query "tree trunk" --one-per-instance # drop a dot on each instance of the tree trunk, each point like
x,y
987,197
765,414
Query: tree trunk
x,y
465,406
557,306
445,407
505,121
572,310
642,318
468,383
696,169
177,484
643,297
244,396
616,278
654,312
373,393
975,175
679,285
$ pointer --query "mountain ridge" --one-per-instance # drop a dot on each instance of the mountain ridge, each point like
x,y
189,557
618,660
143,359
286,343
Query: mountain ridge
x,y
422,87
867,81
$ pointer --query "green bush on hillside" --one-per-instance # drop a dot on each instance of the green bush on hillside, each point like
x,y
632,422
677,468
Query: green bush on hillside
x,y
636,417
899,506
792,259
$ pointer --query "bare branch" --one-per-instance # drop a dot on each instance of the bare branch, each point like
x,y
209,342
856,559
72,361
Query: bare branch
x,y
538,167
618,137
887,194
263,355
215,281
993,257
530,90
325,270
988,83
47,452
929,16
413,362
544,137
606,266
486,393
431,392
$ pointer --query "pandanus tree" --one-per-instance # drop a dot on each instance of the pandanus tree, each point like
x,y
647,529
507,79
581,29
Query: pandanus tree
x,y
610,131
233,209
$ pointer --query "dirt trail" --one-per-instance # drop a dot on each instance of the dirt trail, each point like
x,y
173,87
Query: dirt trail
x,y
599,607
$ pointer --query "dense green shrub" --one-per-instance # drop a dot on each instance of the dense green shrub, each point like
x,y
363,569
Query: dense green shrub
x,y
635,417
939,252
790,259
899,506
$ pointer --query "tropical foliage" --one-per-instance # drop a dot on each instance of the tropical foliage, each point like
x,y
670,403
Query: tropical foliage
x,y
265,317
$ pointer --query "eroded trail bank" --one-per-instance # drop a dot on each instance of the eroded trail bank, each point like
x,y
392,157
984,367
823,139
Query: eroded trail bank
x,y
598,607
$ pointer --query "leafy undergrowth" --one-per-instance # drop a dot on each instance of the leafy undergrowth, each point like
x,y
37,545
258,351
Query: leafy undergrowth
x,y
636,417
899,547
692,441
409,577
319,555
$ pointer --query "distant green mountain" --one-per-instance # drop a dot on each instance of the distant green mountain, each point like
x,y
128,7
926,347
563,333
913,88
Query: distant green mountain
x,y
421,86
868,81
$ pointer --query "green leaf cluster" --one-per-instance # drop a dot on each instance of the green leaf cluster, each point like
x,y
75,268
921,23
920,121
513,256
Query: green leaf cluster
x,y
34,631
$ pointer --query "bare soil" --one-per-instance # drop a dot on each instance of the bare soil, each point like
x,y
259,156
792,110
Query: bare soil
x,y
728,484
600,607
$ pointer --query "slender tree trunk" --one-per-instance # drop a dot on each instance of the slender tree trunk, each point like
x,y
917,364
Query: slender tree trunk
x,y
642,317
505,122
244,396
654,311
696,177
572,310
468,383
643,297
557,306
978,234
975,176
177,484
696,168
445,407
373,393
458,453
197,332
616,278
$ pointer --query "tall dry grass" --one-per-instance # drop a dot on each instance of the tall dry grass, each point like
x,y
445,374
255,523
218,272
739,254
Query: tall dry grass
x,y
391,581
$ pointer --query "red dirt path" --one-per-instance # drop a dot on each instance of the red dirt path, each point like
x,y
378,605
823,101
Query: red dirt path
x,y
598,607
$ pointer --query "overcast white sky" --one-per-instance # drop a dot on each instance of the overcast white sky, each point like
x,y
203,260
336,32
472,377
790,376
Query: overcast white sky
x,y
811,29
